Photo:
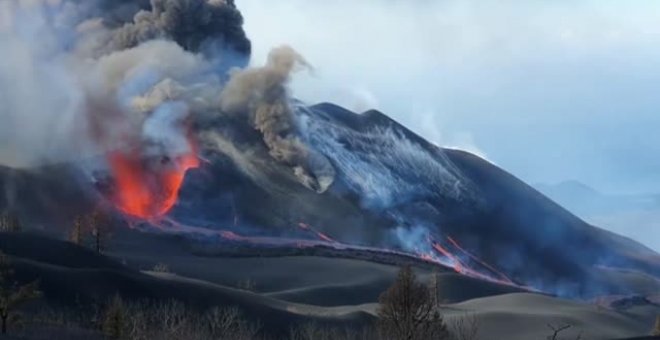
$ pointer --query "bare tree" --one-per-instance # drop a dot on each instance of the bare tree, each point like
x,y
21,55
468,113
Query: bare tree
x,y
247,284
77,232
224,323
407,312
92,229
10,222
100,230
314,331
556,330
161,268
465,327
434,287
12,295
172,320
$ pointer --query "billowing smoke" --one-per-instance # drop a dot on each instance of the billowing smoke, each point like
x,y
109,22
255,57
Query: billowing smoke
x,y
261,93
72,71
123,81
193,24
128,81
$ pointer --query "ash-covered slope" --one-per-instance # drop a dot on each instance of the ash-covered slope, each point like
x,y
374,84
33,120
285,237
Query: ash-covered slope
x,y
392,189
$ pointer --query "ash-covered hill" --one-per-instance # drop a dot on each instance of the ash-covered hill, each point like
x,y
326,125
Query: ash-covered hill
x,y
393,189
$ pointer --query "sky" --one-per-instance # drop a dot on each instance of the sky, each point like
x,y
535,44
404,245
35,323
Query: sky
x,y
548,90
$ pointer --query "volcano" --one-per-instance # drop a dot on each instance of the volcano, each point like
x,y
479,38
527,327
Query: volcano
x,y
392,192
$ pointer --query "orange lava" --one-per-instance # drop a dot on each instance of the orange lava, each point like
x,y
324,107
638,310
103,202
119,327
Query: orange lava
x,y
146,192
459,267
320,235
478,260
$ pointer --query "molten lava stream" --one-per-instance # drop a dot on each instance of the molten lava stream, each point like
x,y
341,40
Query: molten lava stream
x,y
148,192
443,255
320,235
478,260
462,268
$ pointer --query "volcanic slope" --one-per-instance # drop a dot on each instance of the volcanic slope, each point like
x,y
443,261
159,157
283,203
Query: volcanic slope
x,y
393,189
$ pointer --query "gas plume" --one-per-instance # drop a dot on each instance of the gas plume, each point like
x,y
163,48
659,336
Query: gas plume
x,y
122,79
131,80
262,94
193,24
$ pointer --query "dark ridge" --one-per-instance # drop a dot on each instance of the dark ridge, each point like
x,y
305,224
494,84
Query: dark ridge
x,y
54,252
72,276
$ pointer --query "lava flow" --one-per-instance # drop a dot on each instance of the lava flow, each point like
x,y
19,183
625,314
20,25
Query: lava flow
x,y
145,190
320,235
451,255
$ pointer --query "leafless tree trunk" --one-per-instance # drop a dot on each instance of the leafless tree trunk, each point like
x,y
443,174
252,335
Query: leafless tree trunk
x,y
407,311
557,330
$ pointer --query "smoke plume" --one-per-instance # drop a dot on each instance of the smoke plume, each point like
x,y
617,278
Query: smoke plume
x,y
261,93
193,24
135,83
84,77
118,82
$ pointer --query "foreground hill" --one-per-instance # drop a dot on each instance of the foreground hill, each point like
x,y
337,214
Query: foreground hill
x,y
293,291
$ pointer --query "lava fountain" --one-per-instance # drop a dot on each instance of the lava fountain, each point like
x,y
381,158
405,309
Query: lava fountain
x,y
145,191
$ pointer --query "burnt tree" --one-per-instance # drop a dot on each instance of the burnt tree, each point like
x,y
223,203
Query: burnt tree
x,y
9,222
77,232
92,229
12,295
407,311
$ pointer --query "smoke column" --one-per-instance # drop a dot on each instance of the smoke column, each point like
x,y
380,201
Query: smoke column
x,y
123,79
132,82
261,93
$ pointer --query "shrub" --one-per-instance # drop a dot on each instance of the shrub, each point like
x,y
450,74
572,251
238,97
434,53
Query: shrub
x,y
13,295
173,320
161,268
115,318
247,284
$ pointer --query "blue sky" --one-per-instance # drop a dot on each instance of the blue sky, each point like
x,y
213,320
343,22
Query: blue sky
x,y
548,90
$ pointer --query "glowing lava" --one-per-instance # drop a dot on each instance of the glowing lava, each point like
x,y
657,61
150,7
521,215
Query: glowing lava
x,y
145,190
479,269
448,256
320,235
